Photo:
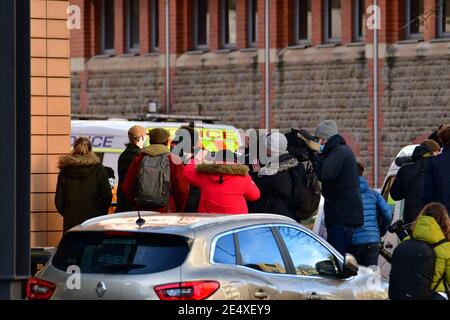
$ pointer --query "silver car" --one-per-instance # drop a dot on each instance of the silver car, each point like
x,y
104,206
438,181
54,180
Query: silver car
x,y
200,256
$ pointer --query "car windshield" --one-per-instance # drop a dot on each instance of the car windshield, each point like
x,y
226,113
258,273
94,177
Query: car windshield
x,y
120,253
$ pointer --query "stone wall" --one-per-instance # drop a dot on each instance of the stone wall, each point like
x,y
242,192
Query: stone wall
x,y
416,99
231,92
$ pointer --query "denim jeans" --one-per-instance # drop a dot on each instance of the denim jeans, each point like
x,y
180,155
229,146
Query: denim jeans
x,y
366,254
340,237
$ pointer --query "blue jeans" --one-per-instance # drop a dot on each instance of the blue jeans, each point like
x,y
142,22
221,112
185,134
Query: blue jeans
x,y
340,237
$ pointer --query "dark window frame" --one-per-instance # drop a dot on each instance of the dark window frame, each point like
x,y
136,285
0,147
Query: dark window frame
x,y
195,30
253,22
440,32
409,35
223,25
109,51
297,39
359,35
154,25
327,23
128,30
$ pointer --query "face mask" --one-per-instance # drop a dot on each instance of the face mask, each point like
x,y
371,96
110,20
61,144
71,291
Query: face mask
x,y
322,146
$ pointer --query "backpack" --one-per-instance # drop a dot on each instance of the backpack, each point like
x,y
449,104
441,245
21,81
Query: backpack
x,y
306,192
412,271
152,187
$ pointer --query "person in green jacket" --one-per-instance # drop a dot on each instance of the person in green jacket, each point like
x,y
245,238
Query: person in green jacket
x,y
432,226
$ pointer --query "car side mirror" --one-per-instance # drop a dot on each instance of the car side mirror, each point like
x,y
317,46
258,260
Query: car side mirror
x,y
350,267
326,268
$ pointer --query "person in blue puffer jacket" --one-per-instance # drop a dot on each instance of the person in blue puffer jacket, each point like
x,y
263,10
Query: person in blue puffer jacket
x,y
366,239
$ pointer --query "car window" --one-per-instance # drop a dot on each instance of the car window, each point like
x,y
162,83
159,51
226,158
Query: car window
x,y
225,251
309,256
120,253
259,250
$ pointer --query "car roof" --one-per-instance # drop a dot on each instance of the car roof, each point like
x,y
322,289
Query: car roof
x,y
184,224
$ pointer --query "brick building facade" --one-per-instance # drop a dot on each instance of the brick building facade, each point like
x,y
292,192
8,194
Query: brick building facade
x,y
50,114
321,64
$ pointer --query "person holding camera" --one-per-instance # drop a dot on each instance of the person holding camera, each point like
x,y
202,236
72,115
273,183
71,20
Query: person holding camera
x,y
336,167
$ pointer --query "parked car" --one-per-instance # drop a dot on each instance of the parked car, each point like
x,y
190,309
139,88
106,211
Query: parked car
x,y
200,256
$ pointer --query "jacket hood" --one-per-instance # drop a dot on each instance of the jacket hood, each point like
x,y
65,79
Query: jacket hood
x,y
78,167
155,150
363,184
283,163
69,160
333,142
223,169
421,152
428,230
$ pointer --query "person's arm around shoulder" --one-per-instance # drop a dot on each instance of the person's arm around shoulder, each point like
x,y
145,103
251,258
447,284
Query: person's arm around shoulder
x,y
384,208
329,167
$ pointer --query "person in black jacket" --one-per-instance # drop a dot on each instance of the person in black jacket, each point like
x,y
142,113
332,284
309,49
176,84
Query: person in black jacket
x,y
276,179
82,190
409,181
337,169
136,137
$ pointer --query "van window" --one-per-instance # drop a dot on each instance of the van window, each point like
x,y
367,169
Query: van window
x,y
120,253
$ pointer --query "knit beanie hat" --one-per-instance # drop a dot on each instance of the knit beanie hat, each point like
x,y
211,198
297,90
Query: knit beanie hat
x,y
159,136
326,129
277,143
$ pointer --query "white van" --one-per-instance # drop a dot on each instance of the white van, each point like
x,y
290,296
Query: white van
x,y
390,240
109,137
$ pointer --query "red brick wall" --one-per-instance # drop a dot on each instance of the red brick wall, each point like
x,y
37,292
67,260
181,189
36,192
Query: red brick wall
x,y
144,26
317,22
119,27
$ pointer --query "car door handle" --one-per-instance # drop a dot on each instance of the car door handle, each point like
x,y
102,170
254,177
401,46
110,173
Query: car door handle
x,y
311,295
261,294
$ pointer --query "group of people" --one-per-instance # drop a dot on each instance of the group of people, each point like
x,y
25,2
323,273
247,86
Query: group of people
x,y
155,178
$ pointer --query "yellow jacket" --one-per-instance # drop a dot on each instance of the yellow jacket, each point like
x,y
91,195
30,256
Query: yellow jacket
x,y
429,231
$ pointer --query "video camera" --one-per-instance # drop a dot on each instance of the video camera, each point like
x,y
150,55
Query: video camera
x,y
297,146
400,229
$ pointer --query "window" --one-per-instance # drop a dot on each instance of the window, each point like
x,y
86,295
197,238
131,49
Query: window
x,y
259,250
444,18
309,256
229,23
360,19
303,21
201,24
107,27
117,253
332,21
225,251
132,34
154,25
252,23
414,19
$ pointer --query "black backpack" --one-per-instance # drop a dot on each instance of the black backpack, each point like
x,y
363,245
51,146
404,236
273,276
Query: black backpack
x,y
152,187
306,192
412,270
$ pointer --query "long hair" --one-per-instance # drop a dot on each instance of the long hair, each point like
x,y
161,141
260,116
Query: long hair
x,y
439,212
82,147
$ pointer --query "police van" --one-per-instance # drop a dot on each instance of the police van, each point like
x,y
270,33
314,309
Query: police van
x,y
109,137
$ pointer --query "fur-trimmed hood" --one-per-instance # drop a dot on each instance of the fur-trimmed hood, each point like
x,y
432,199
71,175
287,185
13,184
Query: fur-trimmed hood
x,y
223,169
69,160
79,167
284,163
155,150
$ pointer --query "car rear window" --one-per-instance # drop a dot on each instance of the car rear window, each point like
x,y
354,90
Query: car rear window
x,y
120,253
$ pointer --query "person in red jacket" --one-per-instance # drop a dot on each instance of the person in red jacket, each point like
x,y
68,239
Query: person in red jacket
x,y
225,185
179,186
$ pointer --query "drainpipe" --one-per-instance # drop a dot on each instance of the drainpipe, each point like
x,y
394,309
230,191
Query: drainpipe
x,y
267,65
167,27
375,97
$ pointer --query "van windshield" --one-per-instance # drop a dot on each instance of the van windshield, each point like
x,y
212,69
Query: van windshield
x,y
120,252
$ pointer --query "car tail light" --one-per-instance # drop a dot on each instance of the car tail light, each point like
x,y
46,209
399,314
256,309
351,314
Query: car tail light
x,y
38,289
195,290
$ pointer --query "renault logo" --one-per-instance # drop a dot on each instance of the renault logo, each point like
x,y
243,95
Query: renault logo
x,y
100,289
